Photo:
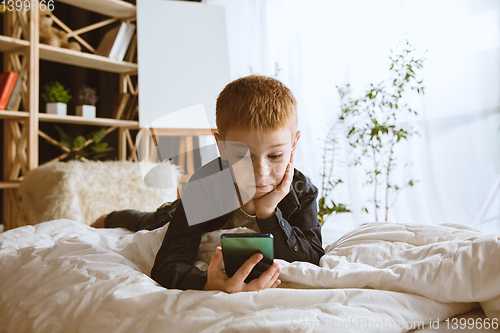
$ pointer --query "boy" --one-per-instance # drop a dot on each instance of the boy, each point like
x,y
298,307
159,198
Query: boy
x,y
256,120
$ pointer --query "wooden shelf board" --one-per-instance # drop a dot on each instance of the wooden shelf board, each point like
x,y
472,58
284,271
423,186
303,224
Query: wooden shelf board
x,y
113,8
7,185
13,114
88,121
183,131
69,57
9,44
87,60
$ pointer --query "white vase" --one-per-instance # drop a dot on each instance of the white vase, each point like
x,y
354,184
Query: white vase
x,y
59,109
85,111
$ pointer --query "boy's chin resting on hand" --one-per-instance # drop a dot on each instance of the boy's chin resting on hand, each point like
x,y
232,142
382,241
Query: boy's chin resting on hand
x,y
265,206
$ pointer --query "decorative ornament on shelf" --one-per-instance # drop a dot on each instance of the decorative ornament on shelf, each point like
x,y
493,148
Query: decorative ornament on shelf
x,y
51,35
87,99
56,97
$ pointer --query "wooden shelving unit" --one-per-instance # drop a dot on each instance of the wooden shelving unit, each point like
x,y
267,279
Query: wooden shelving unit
x,y
113,8
86,60
22,54
14,115
9,185
9,44
88,121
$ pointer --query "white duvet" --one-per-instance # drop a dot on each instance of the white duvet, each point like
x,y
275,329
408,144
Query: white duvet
x,y
63,276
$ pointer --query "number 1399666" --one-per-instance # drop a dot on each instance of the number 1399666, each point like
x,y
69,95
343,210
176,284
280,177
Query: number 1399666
x,y
471,323
26,5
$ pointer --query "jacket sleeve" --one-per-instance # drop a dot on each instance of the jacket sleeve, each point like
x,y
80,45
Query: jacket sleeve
x,y
174,264
297,238
130,219
134,220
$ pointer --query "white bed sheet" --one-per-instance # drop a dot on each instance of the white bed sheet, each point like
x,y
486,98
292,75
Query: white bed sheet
x,y
62,276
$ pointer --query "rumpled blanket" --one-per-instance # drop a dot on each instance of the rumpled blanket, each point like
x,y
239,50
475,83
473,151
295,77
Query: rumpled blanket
x,y
63,276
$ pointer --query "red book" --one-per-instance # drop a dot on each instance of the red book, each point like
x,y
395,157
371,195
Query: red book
x,y
7,83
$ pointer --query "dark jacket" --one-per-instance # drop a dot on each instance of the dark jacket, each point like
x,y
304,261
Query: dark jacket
x,y
294,226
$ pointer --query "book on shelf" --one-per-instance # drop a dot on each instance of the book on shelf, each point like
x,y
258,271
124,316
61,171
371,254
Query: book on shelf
x,y
124,44
135,113
116,41
15,97
131,55
119,105
7,83
108,41
129,109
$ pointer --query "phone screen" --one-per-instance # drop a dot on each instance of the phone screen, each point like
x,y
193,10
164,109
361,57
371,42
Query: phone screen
x,y
238,248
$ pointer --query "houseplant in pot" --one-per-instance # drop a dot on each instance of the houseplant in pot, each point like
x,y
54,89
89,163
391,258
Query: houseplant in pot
x,y
87,99
56,97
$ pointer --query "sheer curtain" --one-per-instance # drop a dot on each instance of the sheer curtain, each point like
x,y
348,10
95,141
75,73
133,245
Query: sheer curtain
x,y
320,44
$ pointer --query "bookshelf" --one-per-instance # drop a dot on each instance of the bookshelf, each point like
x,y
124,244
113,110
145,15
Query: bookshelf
x,y
86,60
22,54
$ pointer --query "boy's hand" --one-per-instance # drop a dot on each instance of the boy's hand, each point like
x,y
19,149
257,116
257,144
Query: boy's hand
x,y
218,280
99,223
266,206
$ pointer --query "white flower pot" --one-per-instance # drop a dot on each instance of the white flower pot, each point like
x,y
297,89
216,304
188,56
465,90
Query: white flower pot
x,y
59,109
85,111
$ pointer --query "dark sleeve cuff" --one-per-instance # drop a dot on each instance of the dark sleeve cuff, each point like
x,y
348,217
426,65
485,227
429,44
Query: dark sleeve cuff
x,y
130,219
195,282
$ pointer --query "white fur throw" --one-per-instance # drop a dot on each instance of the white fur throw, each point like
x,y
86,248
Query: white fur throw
x,y
83,191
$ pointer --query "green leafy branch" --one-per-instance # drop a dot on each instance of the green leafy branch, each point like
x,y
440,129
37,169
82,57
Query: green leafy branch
x,y
374,122
327,177
83,148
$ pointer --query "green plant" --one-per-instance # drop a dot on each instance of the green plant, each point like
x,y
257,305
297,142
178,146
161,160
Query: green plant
x,y
87,96
54,92
376,122
328,181
84,148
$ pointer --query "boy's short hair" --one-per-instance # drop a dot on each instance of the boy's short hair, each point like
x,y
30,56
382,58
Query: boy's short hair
x,y
256,102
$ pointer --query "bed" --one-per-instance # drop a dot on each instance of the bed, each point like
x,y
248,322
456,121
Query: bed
x,y
64,276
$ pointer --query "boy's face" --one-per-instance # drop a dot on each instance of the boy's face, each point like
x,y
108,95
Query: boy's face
x,y
258,160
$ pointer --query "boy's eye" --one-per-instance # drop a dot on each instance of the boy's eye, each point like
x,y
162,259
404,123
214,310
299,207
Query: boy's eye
x,y
275,156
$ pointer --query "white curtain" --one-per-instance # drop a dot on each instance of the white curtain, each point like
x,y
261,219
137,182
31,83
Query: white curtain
x,y
319,44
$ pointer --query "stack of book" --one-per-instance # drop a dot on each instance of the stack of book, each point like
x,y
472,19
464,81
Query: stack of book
x,y
10,90
117,42
126,107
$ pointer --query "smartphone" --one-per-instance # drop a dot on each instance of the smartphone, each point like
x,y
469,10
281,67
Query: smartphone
x,y
238,248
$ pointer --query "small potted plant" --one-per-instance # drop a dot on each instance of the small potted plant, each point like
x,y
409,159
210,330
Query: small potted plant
x,y
56,97
87,99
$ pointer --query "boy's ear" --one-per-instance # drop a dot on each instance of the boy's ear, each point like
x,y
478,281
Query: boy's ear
x,y
220,145
296,140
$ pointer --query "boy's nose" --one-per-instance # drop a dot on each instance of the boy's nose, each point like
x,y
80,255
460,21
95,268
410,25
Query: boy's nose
x,y
262,168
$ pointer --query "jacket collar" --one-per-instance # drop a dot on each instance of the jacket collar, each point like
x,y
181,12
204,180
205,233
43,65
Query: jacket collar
x,y
289,204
